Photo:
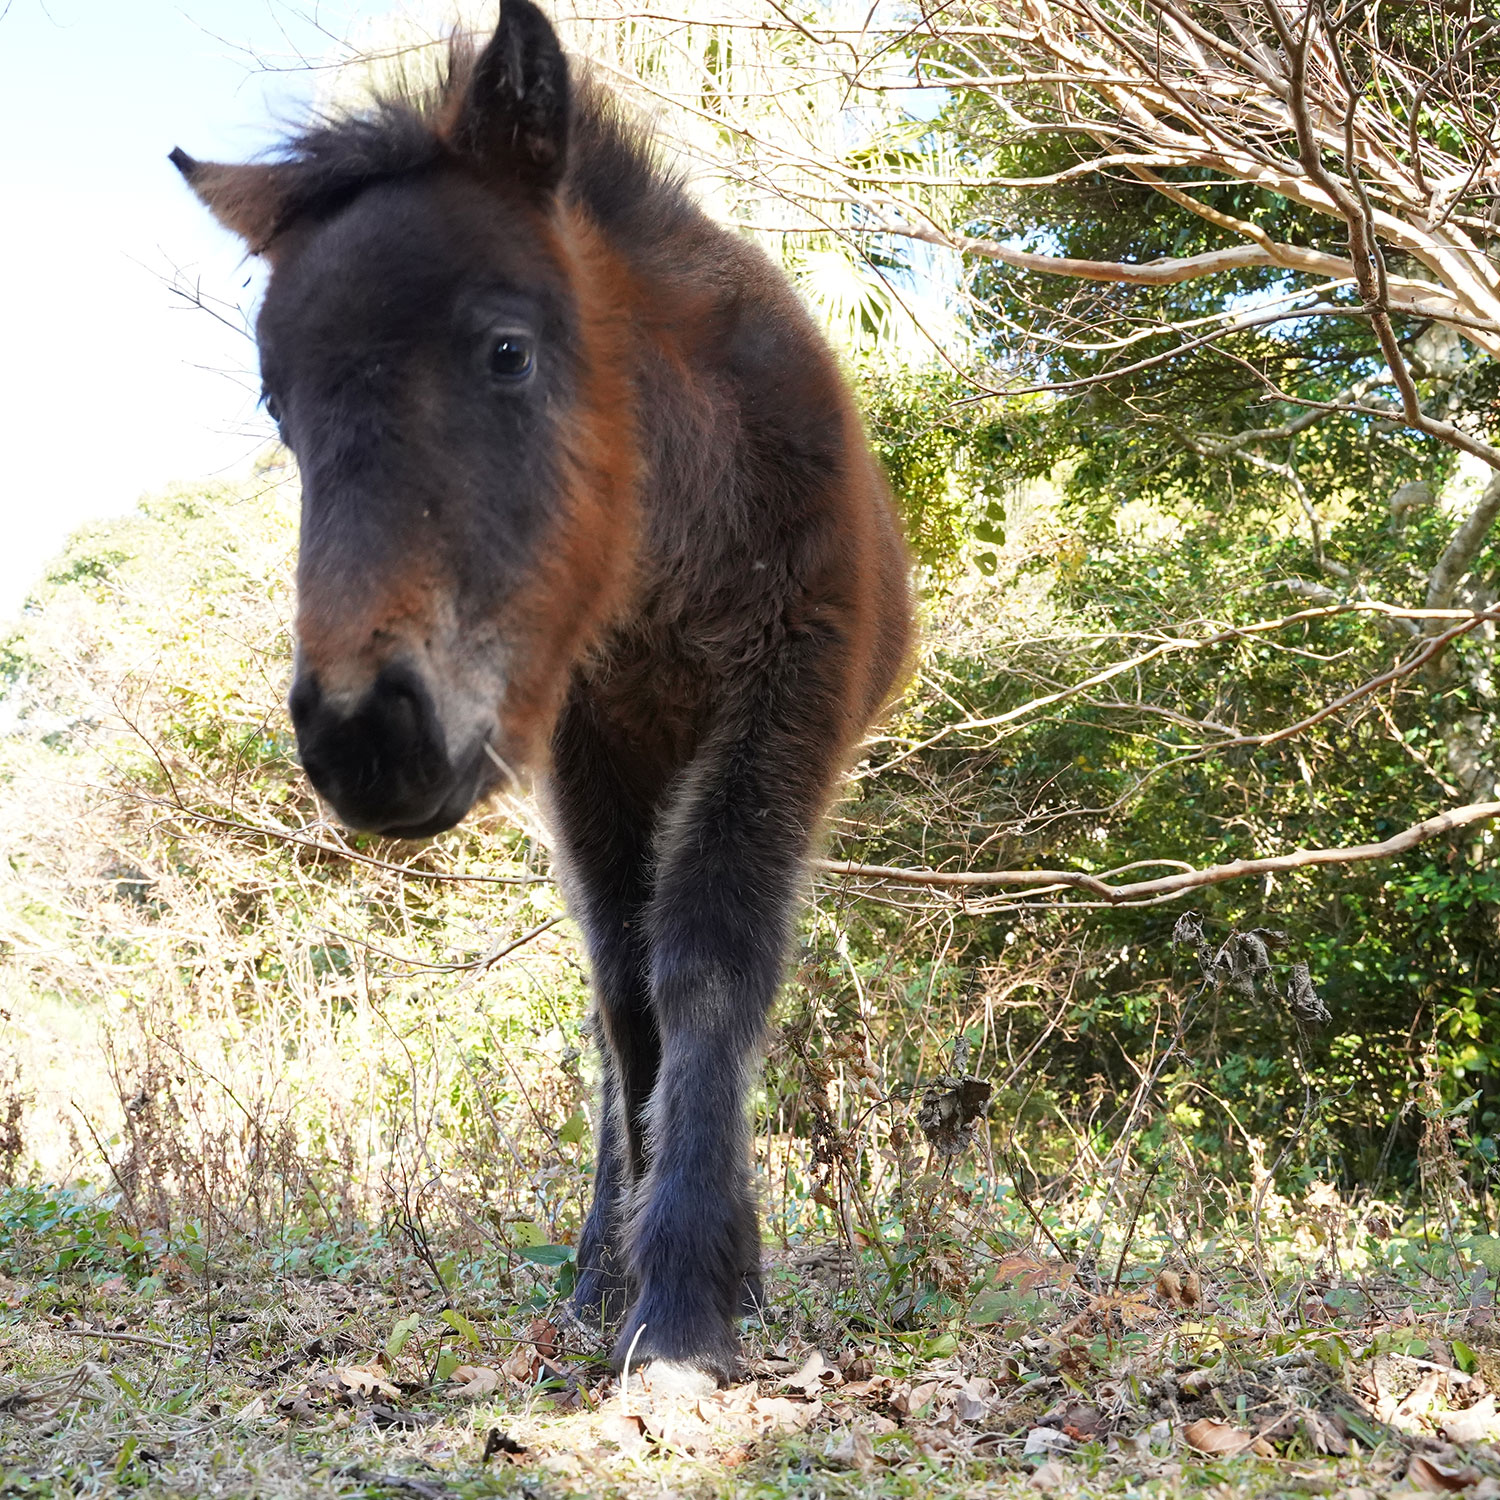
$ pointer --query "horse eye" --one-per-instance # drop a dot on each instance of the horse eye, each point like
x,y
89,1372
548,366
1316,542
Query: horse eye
x,y
511,357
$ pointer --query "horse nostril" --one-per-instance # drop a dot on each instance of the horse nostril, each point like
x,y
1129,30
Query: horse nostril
x,y
382,763
403,705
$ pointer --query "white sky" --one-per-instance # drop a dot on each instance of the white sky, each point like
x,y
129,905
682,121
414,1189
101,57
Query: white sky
x,y
111,386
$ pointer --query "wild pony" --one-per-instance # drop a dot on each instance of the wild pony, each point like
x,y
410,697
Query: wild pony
x,y
582,493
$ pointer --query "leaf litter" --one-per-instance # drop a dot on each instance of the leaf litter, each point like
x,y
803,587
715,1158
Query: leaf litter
x,y
1169,1373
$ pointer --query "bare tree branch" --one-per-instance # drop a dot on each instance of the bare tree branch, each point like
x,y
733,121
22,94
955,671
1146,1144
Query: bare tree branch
x,y
1171,887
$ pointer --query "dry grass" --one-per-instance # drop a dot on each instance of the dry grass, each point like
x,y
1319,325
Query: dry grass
x,y
223,1376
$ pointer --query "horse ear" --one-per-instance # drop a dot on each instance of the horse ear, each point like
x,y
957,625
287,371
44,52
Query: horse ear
x,y
514,116
248,200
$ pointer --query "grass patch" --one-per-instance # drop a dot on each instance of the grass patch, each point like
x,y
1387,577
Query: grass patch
x,y
315,1367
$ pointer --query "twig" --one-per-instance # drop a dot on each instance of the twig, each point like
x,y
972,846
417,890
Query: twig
x,y
285,836
1135,1215
121,1338
1187,880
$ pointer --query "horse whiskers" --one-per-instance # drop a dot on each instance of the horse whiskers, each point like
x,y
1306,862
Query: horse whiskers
x,y
506,769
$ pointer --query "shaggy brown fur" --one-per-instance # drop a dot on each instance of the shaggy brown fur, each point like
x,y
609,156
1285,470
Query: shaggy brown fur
x,y
583,491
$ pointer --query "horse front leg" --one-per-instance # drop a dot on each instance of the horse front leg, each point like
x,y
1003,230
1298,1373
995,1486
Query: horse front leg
x,y
603,824
730,860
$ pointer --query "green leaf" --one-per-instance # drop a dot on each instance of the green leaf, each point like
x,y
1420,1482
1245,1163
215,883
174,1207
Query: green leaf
x,y
461,1326
1464,1357
448,1362
547,1255
574,1130
127,1452
1485,1248
992,1307
400,1332
523,1236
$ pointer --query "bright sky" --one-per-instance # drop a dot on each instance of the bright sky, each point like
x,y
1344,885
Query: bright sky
x,y
111,386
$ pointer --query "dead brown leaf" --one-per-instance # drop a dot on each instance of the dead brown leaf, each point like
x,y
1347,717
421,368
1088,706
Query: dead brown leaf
x,y
522,1365
910,1400
1475,1424
1326,1436
476,1380
974,1400
778,1414
816,1374
855,1449
1026,1271
1209,1435
1050,1475
627,1433
1179,1290
544,1337
1082,1423
1424,1473
366,1380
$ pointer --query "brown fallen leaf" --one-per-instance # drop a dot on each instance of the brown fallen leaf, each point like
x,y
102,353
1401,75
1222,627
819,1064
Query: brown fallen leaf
x,y
1325,1435
1209,1435
909,1400
522,1365
676,1427
366,1380
476,1380
1046,1440
1026,1271
1169,1285
389,1416
778,1414
543,1336
856,1449
1082,1423
299,1409
1479,1423
1050,1475
1192,1289
1428,1389
627,1433
974,1401
816,1374
1424,1473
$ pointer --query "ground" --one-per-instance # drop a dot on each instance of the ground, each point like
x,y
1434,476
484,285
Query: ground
x,y
201,1372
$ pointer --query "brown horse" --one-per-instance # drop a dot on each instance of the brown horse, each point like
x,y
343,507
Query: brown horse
x,y
582,493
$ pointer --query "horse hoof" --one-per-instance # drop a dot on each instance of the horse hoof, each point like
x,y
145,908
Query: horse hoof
x,y
667,1380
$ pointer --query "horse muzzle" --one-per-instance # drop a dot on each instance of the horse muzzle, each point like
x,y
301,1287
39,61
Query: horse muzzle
x,y
383,762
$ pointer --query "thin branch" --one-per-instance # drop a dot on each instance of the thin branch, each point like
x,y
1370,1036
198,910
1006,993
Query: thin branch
x,y
338,851
1171,886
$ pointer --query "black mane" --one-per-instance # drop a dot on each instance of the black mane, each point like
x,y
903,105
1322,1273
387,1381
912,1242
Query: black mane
x,y
613,168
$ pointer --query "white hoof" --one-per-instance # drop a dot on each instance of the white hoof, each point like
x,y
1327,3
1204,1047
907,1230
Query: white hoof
x,y
669,1381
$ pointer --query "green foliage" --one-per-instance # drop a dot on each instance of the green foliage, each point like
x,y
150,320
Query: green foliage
x,y
50,1231
950,464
